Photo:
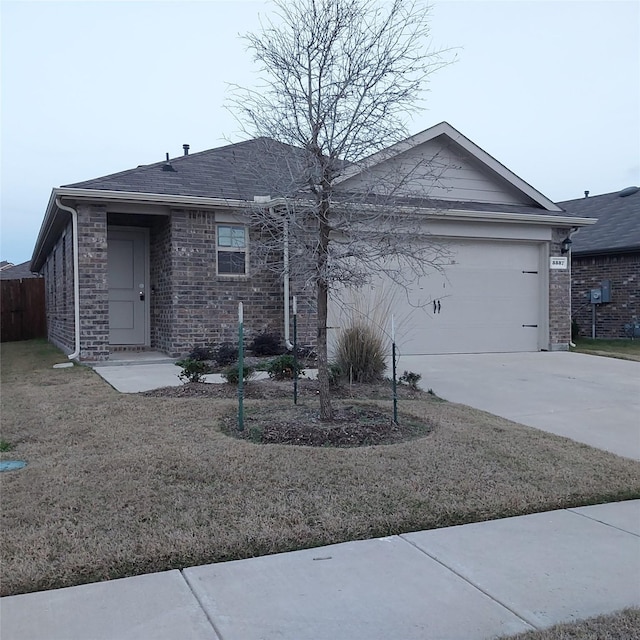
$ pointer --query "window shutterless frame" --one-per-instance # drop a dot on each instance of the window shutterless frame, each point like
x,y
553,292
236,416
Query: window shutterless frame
x,y
231,249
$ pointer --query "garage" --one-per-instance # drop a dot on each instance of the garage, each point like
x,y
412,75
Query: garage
x,y
488,299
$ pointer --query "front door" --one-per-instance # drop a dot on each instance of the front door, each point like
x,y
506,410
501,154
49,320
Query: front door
x,y
128,296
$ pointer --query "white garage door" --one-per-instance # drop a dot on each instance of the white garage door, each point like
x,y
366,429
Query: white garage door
x,y
487,300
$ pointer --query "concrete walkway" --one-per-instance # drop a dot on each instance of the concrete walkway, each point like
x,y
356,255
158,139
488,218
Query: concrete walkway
x,y
470,582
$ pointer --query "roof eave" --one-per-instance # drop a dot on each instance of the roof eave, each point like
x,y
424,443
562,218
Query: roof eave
x,y
103,195
481,216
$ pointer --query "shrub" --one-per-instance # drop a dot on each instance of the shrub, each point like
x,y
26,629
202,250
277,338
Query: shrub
x,y
192,370
283,367
201,353
360,352
230,374
410,378
575,330
335,373
225,354
266,344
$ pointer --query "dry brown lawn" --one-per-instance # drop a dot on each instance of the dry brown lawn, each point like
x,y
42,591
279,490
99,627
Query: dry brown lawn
x,y
118,485
623,625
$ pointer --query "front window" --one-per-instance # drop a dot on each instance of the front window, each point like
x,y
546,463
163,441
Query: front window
x,y
232,249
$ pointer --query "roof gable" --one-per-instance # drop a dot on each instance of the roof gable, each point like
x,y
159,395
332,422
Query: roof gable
x,y
618,225
443,164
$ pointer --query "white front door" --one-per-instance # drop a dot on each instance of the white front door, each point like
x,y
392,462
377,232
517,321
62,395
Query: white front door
x,y
128,296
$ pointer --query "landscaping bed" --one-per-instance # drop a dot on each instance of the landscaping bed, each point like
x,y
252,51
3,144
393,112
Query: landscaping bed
x,y
118,484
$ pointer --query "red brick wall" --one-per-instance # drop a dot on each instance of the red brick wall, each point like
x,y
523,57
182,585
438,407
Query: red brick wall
x,y
624,273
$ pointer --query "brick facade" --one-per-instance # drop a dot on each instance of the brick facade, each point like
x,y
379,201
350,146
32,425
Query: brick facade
x,y
588,272
58,274
559,297
189,303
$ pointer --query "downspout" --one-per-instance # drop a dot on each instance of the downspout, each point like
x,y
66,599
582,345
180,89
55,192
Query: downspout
x,y
287,341
76,284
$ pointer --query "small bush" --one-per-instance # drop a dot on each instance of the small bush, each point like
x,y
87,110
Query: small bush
x,y
575,330
335,374
411,378
225,354
360,352
201,353
192,370
283,367
266,344
230,374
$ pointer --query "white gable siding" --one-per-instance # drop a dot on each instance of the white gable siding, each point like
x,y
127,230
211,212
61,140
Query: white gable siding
x,y
437,169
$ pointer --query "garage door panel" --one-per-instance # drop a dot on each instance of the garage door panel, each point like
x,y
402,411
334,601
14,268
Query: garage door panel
x,y
488,299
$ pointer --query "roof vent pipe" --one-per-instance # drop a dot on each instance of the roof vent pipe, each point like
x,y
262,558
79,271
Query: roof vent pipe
x,y
167,165
586,194
186,149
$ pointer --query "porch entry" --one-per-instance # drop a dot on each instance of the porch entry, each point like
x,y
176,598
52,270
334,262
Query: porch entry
x,y
127,267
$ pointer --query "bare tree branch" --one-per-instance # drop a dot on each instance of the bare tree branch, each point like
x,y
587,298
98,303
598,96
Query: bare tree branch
x,y
339,78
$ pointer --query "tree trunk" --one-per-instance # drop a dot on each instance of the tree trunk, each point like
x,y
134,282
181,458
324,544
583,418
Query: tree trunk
x,y
326,410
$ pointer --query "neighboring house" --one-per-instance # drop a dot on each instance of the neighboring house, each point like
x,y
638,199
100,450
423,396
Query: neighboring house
x,y
164,252
4,264
17,271
607,251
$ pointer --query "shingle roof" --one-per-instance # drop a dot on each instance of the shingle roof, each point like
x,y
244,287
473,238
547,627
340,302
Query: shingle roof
x,y
237,172
618,226
17,272
243,170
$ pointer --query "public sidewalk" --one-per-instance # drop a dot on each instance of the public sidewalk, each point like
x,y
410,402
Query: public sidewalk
x,y
475,581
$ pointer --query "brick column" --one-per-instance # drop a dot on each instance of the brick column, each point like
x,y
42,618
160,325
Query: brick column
x,y
94,291
559,297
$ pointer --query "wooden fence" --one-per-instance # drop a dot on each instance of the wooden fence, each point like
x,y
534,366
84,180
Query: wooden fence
x,y
22,310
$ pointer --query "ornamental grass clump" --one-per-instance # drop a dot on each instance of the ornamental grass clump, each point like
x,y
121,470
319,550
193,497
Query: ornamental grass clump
x,y
360,352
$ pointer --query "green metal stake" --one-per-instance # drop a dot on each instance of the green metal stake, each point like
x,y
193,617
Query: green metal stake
x,y
295,350
240,368
393,358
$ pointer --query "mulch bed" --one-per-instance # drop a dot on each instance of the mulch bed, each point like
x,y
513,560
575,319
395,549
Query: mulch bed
x,y
285,423
278,389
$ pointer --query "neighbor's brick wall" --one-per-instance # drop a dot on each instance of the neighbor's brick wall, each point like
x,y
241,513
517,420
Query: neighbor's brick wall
x,y
58,274
200,306
559,298
94,293
624,273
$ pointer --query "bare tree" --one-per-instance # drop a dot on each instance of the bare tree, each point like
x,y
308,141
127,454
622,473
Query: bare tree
x,y
339,78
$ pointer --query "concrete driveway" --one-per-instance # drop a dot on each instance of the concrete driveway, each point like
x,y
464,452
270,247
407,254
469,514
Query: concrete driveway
x,y
590,399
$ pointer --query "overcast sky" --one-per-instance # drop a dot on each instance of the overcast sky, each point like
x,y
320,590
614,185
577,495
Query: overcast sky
x,y
549,88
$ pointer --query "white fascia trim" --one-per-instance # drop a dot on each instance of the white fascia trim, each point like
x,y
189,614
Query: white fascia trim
x,y
151,198
499,216
463,214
